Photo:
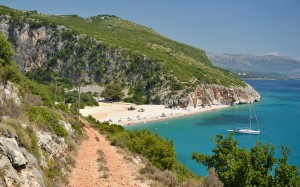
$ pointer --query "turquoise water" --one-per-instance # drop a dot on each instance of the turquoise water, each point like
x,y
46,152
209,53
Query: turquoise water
x,y
278,113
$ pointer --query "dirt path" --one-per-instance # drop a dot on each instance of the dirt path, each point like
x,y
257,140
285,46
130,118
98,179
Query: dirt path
x,y
85,173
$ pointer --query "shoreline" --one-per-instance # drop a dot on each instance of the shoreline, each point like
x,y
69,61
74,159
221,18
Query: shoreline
x,y
118,113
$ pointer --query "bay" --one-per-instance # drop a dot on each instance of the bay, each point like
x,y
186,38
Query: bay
x,y
278,113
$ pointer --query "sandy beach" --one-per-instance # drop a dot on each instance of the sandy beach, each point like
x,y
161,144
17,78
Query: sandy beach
x,y
118,113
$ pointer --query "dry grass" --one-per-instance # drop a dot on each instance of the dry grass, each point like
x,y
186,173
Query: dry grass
x,y
158,177
102,164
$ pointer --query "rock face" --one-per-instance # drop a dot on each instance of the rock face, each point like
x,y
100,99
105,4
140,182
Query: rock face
x,y
59,49
9,92
51,144
25,167
10,148
216,95
15,167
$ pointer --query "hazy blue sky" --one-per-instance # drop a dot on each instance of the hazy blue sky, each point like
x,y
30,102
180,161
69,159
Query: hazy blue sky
x,y
223,26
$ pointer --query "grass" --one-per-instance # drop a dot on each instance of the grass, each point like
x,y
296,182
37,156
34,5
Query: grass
x,y
102,164
26,137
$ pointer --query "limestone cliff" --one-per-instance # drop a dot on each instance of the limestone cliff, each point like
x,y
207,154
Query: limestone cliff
x,y
206,95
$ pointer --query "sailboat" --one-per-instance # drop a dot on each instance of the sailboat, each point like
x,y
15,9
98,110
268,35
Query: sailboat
x,y
248,130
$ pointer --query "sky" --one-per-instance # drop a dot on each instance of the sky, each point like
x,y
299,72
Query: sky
x,y
255,27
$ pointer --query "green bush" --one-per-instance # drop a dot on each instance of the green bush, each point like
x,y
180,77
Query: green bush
x,y
6,51
113,92
86,99
77,127
34,149
61,106
158,151
240,167
53,172
44,116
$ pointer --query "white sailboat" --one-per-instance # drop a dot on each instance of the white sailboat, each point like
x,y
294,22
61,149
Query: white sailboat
x,y
248,130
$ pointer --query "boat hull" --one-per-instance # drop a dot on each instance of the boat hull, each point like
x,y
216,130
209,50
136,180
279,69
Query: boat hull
x,y
247,131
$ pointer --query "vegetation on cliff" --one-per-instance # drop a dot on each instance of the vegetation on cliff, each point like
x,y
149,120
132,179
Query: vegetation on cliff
x,y
111,50
34,132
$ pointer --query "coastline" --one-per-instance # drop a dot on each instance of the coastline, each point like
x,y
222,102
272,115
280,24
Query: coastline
x,y
118,113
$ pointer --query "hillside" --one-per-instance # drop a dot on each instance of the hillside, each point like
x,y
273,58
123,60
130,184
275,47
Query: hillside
x,y
283,67
107,49
38,139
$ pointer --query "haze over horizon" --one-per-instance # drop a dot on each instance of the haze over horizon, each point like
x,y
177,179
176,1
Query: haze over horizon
x,y
256,27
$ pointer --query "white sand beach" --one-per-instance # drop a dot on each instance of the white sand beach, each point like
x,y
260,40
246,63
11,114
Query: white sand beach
x,y
118,113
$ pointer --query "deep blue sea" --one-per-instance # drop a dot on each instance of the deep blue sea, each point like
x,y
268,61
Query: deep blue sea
x,y
278,113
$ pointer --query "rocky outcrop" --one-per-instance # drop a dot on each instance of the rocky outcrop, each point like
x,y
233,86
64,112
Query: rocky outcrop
x,y
51,143
18,167
206,95
26,153
66,126
10,148
9,92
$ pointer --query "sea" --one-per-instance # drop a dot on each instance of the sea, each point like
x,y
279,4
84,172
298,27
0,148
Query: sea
x,y
278,114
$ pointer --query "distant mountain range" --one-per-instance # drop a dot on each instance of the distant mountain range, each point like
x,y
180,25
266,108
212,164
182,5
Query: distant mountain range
x,y
253,66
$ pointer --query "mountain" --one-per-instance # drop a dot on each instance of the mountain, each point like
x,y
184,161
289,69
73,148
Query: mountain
x,y
106,49
43,56
272,66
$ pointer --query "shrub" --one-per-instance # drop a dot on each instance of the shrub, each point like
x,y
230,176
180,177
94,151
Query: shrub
x,y
45,116
240,167
34,149
113,92
61,106
53,172
158,151
77,127
86,99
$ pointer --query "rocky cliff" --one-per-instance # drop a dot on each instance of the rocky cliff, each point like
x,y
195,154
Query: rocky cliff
x,y
206,95
68,54
59,49
30,156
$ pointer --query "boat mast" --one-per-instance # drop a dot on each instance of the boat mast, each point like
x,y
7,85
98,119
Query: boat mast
x,y
256,119
250,118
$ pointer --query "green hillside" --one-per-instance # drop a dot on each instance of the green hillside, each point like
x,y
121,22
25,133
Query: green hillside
x,y
186,63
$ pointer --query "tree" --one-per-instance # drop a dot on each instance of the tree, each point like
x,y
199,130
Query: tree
x,y
240,167
113,92
286,175
8,69
6,51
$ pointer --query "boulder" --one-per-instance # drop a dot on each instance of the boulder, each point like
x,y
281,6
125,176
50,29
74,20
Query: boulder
x,y
51,144
66,126
16,158
11,149
45,140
